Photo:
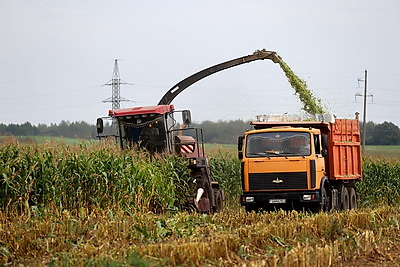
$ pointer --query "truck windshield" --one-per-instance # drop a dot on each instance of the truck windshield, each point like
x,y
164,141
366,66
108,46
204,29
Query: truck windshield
x,y
275,144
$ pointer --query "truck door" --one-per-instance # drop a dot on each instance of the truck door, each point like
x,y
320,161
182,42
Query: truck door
x,y
317,163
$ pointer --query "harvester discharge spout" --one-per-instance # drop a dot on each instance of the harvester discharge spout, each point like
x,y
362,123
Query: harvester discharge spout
x,y
182,85
264,54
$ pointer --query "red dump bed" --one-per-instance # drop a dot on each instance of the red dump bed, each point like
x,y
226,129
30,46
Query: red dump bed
x,y
344,150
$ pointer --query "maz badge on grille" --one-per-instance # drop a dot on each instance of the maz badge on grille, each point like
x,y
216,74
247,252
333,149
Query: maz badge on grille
x,y
277,181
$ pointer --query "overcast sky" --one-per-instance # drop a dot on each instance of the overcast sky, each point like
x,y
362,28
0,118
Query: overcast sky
x,y
56,55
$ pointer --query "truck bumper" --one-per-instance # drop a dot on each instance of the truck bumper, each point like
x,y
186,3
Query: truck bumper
x,y
283,199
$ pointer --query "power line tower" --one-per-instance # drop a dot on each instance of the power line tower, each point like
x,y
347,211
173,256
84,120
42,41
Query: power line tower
x,y
115,98
365,95
115,83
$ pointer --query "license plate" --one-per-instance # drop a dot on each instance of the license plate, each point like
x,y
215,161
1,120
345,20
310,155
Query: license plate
x,y
277,201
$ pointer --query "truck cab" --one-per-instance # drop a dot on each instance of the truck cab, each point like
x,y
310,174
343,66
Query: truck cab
x,y
297,165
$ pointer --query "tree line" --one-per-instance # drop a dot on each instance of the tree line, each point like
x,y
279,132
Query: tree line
x,y
81,130
221,132
385,133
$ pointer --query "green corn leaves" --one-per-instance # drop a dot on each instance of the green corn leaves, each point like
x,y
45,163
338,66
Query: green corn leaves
x,y
72,177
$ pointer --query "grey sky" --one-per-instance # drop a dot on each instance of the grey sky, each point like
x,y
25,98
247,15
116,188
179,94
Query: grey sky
x,y
55,55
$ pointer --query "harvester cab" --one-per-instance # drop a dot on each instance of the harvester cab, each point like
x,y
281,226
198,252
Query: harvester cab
x,y
155,129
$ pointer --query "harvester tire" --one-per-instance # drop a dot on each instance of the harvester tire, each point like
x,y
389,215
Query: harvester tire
x,y
219,202
204,204
205,201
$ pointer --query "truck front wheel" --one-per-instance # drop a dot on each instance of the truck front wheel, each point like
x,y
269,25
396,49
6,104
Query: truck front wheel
x,y
325,200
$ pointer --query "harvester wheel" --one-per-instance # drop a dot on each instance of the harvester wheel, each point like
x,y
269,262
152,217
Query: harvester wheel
x,y
219,203
352,198
344,199
203,205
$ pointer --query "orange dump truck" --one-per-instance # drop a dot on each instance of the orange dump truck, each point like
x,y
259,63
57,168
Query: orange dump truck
x,y
304,164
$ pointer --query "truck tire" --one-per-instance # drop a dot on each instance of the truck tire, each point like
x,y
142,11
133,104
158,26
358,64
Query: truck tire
x,y
344,198
352,198
325,199
324,205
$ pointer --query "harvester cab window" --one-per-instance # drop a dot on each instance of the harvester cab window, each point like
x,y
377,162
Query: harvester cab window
x,y
147,132
275,144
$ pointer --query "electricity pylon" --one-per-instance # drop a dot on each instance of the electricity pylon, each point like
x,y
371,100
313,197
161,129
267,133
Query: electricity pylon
x,y
115,98
115,83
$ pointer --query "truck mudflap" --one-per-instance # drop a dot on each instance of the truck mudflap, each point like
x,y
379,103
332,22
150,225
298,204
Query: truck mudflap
x,y
280,199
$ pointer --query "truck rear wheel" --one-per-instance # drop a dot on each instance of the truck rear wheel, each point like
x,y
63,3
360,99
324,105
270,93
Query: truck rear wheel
x,y
344,198
352,198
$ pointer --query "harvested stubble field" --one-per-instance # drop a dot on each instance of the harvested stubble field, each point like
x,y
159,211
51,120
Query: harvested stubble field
x,y
95,205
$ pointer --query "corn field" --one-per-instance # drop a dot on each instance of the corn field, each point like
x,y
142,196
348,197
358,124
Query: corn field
x,y
92,204
72,177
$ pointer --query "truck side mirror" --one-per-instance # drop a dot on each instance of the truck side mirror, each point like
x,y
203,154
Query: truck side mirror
x,y
186,118
240,147
99,125
324,141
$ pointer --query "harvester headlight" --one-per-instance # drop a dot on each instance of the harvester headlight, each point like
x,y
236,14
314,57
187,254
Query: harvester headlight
x,y
306,197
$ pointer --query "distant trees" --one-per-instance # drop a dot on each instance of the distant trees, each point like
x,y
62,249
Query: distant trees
x,y
65,129
385,133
